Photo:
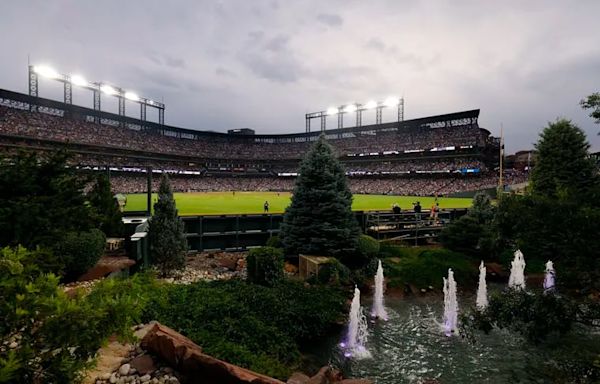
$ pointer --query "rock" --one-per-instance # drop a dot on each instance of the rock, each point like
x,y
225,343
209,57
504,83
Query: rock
x,y
229,262
113,378
298,378
104,376
124,370
321,377
132,371
143,364
13,345
355,381
145,378
290,268
186,357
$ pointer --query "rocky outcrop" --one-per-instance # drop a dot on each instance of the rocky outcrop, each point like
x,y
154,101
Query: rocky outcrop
x,y
187,358
326,375
107,265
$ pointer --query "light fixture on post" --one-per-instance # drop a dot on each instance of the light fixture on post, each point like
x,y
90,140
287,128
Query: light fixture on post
x,y
358,108
35,71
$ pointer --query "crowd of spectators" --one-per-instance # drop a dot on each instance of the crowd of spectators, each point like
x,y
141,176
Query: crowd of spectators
x,y
22,123
421,186
211,160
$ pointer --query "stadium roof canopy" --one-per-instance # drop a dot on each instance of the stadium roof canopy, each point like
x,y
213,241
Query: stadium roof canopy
x,y
53,107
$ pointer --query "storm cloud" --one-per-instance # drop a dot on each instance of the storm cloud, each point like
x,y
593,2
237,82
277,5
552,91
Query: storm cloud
x,y
264,64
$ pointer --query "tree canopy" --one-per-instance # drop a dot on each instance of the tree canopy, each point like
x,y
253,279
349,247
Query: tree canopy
x,y
592,102
319,220
563,167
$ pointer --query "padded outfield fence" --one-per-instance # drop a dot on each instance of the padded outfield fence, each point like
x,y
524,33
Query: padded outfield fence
x,y
241,232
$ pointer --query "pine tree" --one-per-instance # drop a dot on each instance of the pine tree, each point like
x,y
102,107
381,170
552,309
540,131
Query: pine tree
x,y
105,207
563,167
168,244
319,220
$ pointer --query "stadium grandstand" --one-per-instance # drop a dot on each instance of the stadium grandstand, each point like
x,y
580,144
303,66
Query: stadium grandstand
x,y
437,155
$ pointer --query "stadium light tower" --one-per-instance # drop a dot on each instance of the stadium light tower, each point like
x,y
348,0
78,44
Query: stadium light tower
x,y
357,108
97,89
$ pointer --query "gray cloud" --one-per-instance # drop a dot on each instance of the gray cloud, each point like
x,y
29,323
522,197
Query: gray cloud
x,y
218,65
330,19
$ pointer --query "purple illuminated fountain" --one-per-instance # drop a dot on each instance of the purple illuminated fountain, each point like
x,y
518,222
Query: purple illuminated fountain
x,y
549,278
354,345
450,305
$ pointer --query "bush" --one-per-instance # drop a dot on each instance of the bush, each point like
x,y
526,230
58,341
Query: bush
x,y
367,249
59,335
334,272
428,268
80,251
250,325
274,242
265,266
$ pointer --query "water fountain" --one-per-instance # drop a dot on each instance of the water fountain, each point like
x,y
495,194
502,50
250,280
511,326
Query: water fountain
x,y
379,311
450,305
482,300
549,278
354,346
517,271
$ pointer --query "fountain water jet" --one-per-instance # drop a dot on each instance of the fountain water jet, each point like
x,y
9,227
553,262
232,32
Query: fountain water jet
x,y
354,346
450,305
549,278
482,300
517,271
378,307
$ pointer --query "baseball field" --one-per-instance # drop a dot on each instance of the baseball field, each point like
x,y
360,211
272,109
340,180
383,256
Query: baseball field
x,y
222,203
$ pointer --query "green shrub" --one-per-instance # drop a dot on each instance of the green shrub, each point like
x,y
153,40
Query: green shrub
x,y
274,242
80,251
265,265
387,249
59,335
368,249
334,272
469,236
250,325
428,268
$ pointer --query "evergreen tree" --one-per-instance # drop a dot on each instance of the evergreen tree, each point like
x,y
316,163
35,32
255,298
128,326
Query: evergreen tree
x,y
105,207
319,220
40,199
563,167
168,244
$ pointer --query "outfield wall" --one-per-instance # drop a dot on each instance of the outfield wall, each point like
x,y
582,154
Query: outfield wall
x,y
240,232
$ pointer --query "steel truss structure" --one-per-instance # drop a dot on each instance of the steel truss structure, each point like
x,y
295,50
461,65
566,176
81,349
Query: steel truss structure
x,y
97,89
353,108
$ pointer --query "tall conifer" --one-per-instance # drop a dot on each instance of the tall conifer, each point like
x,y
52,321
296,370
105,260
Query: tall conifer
x,y
319,220
168,244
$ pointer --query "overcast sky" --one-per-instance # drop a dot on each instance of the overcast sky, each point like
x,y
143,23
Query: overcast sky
x,y
264,64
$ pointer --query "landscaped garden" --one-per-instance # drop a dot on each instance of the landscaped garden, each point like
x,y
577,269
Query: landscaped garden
x,y
275,321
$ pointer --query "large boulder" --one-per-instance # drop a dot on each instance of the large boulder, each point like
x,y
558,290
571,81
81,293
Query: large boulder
x,y
298,378
143,364
187,358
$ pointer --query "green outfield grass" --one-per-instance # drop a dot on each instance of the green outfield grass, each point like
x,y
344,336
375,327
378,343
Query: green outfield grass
x,y
212,203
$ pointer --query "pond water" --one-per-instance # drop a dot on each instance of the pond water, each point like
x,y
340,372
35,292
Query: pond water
x,y
411,348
